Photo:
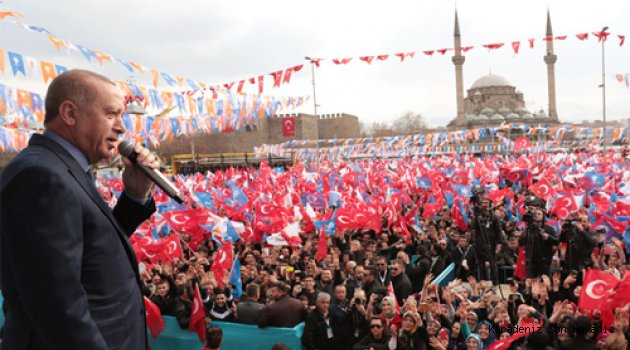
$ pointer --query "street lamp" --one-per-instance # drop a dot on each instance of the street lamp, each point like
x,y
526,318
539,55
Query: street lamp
x,y
604,88
314,107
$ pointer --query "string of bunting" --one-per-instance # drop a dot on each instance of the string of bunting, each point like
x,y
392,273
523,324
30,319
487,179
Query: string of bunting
x,y
515,45
284,76
278,78
229,112
623,78
444,142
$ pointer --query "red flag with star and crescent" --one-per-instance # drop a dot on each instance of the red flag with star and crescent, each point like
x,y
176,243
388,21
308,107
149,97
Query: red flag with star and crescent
x,y
222,263
288,126
595,288
155,322
543,189
197,321
527,325
521,143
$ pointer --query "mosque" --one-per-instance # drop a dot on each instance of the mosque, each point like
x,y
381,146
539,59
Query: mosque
x,y
491,100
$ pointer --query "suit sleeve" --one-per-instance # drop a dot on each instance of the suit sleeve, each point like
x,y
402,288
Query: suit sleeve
x,y
43,233
130,214
309,333
265,317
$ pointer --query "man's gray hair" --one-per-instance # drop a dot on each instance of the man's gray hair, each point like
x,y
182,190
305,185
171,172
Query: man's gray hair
x,y
323,296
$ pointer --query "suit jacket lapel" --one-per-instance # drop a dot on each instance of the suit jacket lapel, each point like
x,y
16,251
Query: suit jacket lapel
x,y
89,187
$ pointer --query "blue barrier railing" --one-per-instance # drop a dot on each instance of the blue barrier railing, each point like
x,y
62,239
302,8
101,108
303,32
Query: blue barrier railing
x,y
235,336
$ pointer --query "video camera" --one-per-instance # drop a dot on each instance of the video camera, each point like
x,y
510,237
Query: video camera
x,y
532,201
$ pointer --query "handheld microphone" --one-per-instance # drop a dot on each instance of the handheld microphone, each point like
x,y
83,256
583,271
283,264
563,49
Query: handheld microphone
x,y
126,149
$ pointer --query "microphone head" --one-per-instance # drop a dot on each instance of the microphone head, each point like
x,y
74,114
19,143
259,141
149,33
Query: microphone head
x,y
125,148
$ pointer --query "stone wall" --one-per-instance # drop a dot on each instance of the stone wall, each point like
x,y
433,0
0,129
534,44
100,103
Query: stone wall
x,y
268,131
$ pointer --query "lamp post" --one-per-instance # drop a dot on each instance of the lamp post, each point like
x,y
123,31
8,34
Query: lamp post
x,y
603,86
314,108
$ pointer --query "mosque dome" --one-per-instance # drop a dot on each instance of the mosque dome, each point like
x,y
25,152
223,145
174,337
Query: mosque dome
x,y
497,117
541,115
504,111
528,116
482,118
490,80
471,117
521,110
487,111
512,116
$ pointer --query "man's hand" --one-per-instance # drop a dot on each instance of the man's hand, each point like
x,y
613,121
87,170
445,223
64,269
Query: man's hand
x,y
138,185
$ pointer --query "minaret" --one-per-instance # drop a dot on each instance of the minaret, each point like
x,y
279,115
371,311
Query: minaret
x,y
458,61
550,60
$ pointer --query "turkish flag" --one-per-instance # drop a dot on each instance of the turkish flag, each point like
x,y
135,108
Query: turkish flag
x,y
431,209
155,322
542,189
521,270
528,326
197,321
521,143
390,293
288,126
621,209
595,288
618,298
171,248
515,46
322,249
222,263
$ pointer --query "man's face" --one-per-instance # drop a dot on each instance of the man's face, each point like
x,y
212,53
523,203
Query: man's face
x,y
380,265
181,279
359,273
326,276
323,305
97,124
513,244
340,292
162,289
462,242
309,283
220,299
396,269
539,216
275,293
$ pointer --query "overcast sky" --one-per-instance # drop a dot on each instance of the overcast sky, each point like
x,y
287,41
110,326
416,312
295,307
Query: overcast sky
x,y
223,41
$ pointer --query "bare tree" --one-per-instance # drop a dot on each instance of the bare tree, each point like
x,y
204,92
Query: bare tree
x,y
380,129
409,123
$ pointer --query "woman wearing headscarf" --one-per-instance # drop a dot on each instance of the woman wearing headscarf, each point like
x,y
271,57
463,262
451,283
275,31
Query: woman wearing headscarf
x,y
473,342
412,335
388,312
485,334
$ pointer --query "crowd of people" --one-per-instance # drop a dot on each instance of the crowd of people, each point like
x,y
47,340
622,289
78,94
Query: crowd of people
x,y
377,288
427,252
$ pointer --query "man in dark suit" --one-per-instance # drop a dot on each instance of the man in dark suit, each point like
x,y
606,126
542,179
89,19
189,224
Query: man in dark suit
x,y
249,311
285,311
318,332
57,232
